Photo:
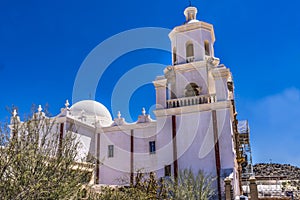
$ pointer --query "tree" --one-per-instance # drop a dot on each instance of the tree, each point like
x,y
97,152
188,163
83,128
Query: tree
x,y
146,187
38,162
193,187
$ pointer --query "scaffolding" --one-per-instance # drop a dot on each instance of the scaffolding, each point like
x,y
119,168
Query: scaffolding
x,y
245,148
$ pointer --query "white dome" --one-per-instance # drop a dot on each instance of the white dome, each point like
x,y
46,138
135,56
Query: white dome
x,y
92,111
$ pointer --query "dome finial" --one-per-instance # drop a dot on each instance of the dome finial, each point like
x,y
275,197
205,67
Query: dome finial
x,y
40,108
190,13
67,103
14,114
190,3
119,115
143,111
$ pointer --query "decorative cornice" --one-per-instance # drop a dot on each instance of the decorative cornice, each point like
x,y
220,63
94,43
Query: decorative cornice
x,y
128,127
193,26
144,119
113,128
118,122
222,72
190,66
192,109
159,83
187,66
79,122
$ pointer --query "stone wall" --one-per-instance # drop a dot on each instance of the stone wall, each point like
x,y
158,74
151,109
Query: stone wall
x,y
275,198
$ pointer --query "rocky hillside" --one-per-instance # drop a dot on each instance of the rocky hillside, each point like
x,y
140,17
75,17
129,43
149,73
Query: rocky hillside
x,y
285,171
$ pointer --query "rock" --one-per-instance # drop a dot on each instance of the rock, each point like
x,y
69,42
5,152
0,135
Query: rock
x,y
277,170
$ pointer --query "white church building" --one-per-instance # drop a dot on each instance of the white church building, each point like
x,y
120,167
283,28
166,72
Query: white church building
x,y
195,126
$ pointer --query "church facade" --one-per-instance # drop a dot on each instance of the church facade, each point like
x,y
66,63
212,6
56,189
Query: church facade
x,y
195,126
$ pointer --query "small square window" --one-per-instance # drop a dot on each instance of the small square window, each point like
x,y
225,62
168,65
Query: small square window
x,y
110,151
168,170
152,148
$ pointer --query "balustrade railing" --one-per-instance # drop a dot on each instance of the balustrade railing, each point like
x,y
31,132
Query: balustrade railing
x,y
190,59
189,101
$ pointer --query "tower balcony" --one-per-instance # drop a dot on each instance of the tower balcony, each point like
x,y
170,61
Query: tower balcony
x,y
190,59
189,101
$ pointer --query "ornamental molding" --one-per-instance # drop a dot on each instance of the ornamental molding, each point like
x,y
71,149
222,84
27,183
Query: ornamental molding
x,y
128,127
192,109
160,83
194,26
220,73
186,67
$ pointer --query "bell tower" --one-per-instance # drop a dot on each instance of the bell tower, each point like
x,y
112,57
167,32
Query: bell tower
x,y
195,106
193,64
193,41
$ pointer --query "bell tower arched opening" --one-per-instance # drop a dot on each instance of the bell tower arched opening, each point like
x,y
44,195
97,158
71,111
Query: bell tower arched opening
x,y
206,48
190,52
192,89
174,56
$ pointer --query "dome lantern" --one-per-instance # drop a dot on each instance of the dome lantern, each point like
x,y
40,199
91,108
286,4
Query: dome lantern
x,y
190,13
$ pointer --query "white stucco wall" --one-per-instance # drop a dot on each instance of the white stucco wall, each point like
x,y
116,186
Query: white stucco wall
x,y
197,36
221,89
164,144
116,168
195,142
198,76
226,145
144,160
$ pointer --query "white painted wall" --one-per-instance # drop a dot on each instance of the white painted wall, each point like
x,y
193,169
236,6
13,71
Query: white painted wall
x,y
197,36
198,76
164,144
195,142
114,169
221,89
143,160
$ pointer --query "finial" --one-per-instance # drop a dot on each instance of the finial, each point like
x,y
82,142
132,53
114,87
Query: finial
x,y
40,108
14,113
190,3
119,115
143,111
190,13
67,103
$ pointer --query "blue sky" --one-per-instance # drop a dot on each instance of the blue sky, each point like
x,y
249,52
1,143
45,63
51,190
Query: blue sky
x,y
43,43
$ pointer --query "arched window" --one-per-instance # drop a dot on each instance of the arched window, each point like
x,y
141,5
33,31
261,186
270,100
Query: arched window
x,y
189,49
174,56
192,89
206,48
